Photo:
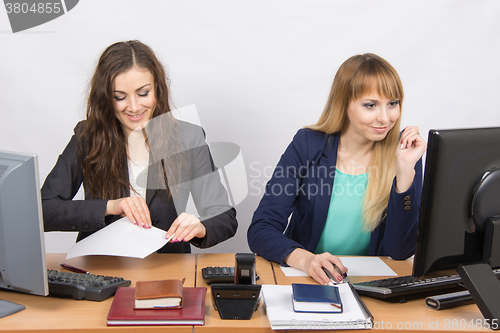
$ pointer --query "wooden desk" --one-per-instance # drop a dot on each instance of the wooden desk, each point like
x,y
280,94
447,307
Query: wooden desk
x,y
51,314
413,316
213,323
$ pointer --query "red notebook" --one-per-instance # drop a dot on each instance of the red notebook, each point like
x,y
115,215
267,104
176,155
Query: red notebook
x,y
122,310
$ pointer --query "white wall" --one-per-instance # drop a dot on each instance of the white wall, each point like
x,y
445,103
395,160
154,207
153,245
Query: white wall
x,y
256,70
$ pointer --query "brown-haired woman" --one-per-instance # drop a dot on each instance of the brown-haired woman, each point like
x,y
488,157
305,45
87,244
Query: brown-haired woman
x,y
134,159
348,185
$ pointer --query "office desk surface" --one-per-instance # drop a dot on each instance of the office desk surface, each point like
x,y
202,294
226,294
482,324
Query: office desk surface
x,y
51,314
412,316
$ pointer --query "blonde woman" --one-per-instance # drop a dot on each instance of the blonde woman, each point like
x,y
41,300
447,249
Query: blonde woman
x,y
348,185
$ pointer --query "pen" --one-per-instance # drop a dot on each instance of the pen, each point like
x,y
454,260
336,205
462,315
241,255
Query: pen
x,y
74,269
360,301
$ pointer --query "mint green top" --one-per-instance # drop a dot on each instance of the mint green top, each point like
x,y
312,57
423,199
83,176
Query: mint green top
x,y
343,233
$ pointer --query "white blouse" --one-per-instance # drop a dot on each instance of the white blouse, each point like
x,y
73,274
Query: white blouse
x,y
138,177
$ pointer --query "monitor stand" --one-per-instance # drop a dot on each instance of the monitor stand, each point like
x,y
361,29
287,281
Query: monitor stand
x,y
484,288
7,308
482,283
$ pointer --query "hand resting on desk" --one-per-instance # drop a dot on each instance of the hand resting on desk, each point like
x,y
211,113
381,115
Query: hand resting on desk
x,y
313,264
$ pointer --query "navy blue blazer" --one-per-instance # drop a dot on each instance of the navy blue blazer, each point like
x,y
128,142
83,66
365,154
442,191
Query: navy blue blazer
x,y
292,213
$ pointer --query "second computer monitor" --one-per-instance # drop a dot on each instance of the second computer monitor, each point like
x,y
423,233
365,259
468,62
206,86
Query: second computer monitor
x,y
456,162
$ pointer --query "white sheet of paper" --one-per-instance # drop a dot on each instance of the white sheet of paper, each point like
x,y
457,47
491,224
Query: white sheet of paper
x,y
120,238
357,266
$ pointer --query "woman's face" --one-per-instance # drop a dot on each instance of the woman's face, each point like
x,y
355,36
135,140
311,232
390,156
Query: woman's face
x,y
134,98
371,117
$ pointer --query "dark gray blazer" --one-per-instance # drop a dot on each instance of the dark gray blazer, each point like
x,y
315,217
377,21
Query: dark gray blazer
x,y
201,179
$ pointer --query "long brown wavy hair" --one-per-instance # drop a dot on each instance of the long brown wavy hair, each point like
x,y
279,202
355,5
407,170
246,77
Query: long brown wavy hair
x,y
102,144
356,77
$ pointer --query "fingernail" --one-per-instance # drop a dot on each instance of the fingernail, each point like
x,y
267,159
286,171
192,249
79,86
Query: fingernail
x,y
339,278
403,146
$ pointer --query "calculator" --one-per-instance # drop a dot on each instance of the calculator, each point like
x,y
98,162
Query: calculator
x,y
218,274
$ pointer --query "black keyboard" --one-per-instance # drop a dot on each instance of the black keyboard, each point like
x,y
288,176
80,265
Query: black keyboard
x,y
406,285
218,274
83,286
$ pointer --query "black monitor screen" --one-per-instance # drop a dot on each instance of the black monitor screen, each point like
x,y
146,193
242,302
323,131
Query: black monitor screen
x,y
456,162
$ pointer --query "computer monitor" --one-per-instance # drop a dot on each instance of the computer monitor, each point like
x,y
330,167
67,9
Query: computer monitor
x,y
22,250
460,211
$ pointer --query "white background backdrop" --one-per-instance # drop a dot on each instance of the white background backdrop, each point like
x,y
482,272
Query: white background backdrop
x,y
256,70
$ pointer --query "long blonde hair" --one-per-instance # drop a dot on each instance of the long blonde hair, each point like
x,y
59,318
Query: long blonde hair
x,y
356,77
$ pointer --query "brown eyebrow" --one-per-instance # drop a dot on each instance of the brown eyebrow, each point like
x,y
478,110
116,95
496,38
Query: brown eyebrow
x,y
118,91
375,100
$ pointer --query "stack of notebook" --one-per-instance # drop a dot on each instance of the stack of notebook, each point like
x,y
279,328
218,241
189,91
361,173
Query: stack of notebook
x,y
169,308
